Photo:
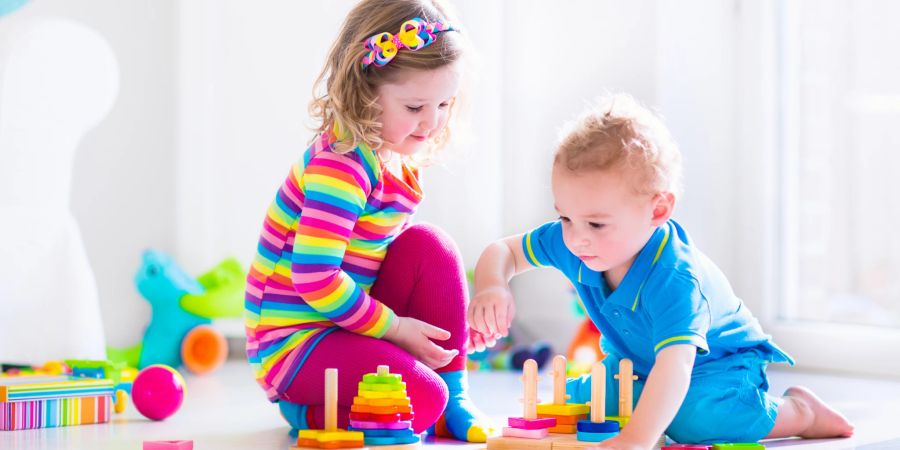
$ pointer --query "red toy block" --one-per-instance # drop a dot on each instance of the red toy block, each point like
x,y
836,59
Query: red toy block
x,y
532,424
168,445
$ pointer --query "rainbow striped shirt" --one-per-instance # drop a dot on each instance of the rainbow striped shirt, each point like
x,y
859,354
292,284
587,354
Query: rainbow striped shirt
x,y
322,243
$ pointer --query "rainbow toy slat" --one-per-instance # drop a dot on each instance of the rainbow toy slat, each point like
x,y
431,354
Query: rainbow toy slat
x,y
16,390
50,413
45,402
382,411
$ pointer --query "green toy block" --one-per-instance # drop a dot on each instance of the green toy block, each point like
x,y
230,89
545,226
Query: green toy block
x,y
392,378
363,386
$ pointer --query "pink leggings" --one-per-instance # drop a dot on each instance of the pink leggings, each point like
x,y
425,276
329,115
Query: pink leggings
x,y
421,277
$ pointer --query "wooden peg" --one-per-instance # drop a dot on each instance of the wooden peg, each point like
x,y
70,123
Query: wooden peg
x,y
598,392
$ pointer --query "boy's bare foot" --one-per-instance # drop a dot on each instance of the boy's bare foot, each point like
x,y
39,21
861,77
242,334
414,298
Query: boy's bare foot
x,y
827,422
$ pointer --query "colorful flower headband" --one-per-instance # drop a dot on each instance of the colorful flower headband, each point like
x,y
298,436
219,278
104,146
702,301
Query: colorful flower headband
x,y
414,34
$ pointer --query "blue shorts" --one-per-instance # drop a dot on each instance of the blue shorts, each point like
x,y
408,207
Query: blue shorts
x,y
727,400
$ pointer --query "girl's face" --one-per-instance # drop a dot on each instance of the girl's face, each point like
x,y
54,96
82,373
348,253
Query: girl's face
x,y
415,108
605,222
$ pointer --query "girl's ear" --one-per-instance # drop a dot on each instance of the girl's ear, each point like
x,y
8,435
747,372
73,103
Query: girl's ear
x,y
663,207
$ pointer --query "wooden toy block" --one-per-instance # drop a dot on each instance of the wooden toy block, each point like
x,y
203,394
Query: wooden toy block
x,y
571,409
382,375
168,445
572,444
626,379
535,424
598,392
563,420
391,440
536,433
686,447
382,387
393,409
331,436
389,433
609,426
369,417
584,436
363,425
559,380
739,446
564,429
514,443
381,401
383,394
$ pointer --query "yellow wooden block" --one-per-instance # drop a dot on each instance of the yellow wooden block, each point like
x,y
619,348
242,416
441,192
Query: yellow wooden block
x,y
569,409
328,436
382,394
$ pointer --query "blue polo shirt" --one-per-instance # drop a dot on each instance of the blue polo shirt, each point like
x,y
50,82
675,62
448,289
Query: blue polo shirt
x,y
672,294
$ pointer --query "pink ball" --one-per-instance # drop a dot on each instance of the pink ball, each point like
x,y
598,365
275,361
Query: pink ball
x,y
158,391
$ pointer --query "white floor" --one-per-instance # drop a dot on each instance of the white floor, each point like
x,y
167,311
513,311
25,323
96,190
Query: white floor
x,y
227,410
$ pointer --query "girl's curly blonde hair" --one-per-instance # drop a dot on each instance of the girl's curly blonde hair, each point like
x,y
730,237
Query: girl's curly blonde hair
x,y
350,91
618,132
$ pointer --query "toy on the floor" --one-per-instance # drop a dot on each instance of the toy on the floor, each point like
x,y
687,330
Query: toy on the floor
x,y
158,391
382,410
44,401
331,436
534,430
168,445
179,331
122,377
567,415
733,446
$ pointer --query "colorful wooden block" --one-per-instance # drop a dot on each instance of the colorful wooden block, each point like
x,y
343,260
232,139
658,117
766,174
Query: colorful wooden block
x,y
564,429
610,426
363,425
383,394
594,437
739,446
382,387
168,445
569,409
391,440
686,447
564,420
525,434
532,424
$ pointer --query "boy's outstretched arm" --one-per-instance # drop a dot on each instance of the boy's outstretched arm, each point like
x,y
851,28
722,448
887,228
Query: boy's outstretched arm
x,y
491,310
664,391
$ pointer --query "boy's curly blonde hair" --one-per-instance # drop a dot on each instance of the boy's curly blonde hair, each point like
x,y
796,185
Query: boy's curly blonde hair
x,y
350,91
620,133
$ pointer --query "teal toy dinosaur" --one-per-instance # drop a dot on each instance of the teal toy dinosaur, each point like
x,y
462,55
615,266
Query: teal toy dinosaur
x,y
179,304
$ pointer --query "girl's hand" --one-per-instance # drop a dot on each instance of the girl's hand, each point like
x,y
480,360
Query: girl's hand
x,y
415,337
491,311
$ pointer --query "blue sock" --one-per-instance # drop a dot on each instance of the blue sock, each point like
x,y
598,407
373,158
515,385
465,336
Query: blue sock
x,y
295,415
461,418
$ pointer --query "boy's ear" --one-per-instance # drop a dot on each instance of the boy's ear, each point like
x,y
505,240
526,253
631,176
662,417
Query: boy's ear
x,y
663,207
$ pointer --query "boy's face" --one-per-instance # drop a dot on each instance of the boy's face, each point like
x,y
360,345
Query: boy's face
x,y
605,222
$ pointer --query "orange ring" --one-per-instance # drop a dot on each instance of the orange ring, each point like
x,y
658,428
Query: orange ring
x,y
203,349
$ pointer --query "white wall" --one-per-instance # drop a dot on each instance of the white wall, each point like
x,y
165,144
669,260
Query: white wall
x,y
212,111
123,191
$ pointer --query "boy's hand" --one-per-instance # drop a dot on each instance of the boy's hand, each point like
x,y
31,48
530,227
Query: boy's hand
x,y
491,311
619,443
415,337
477,342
